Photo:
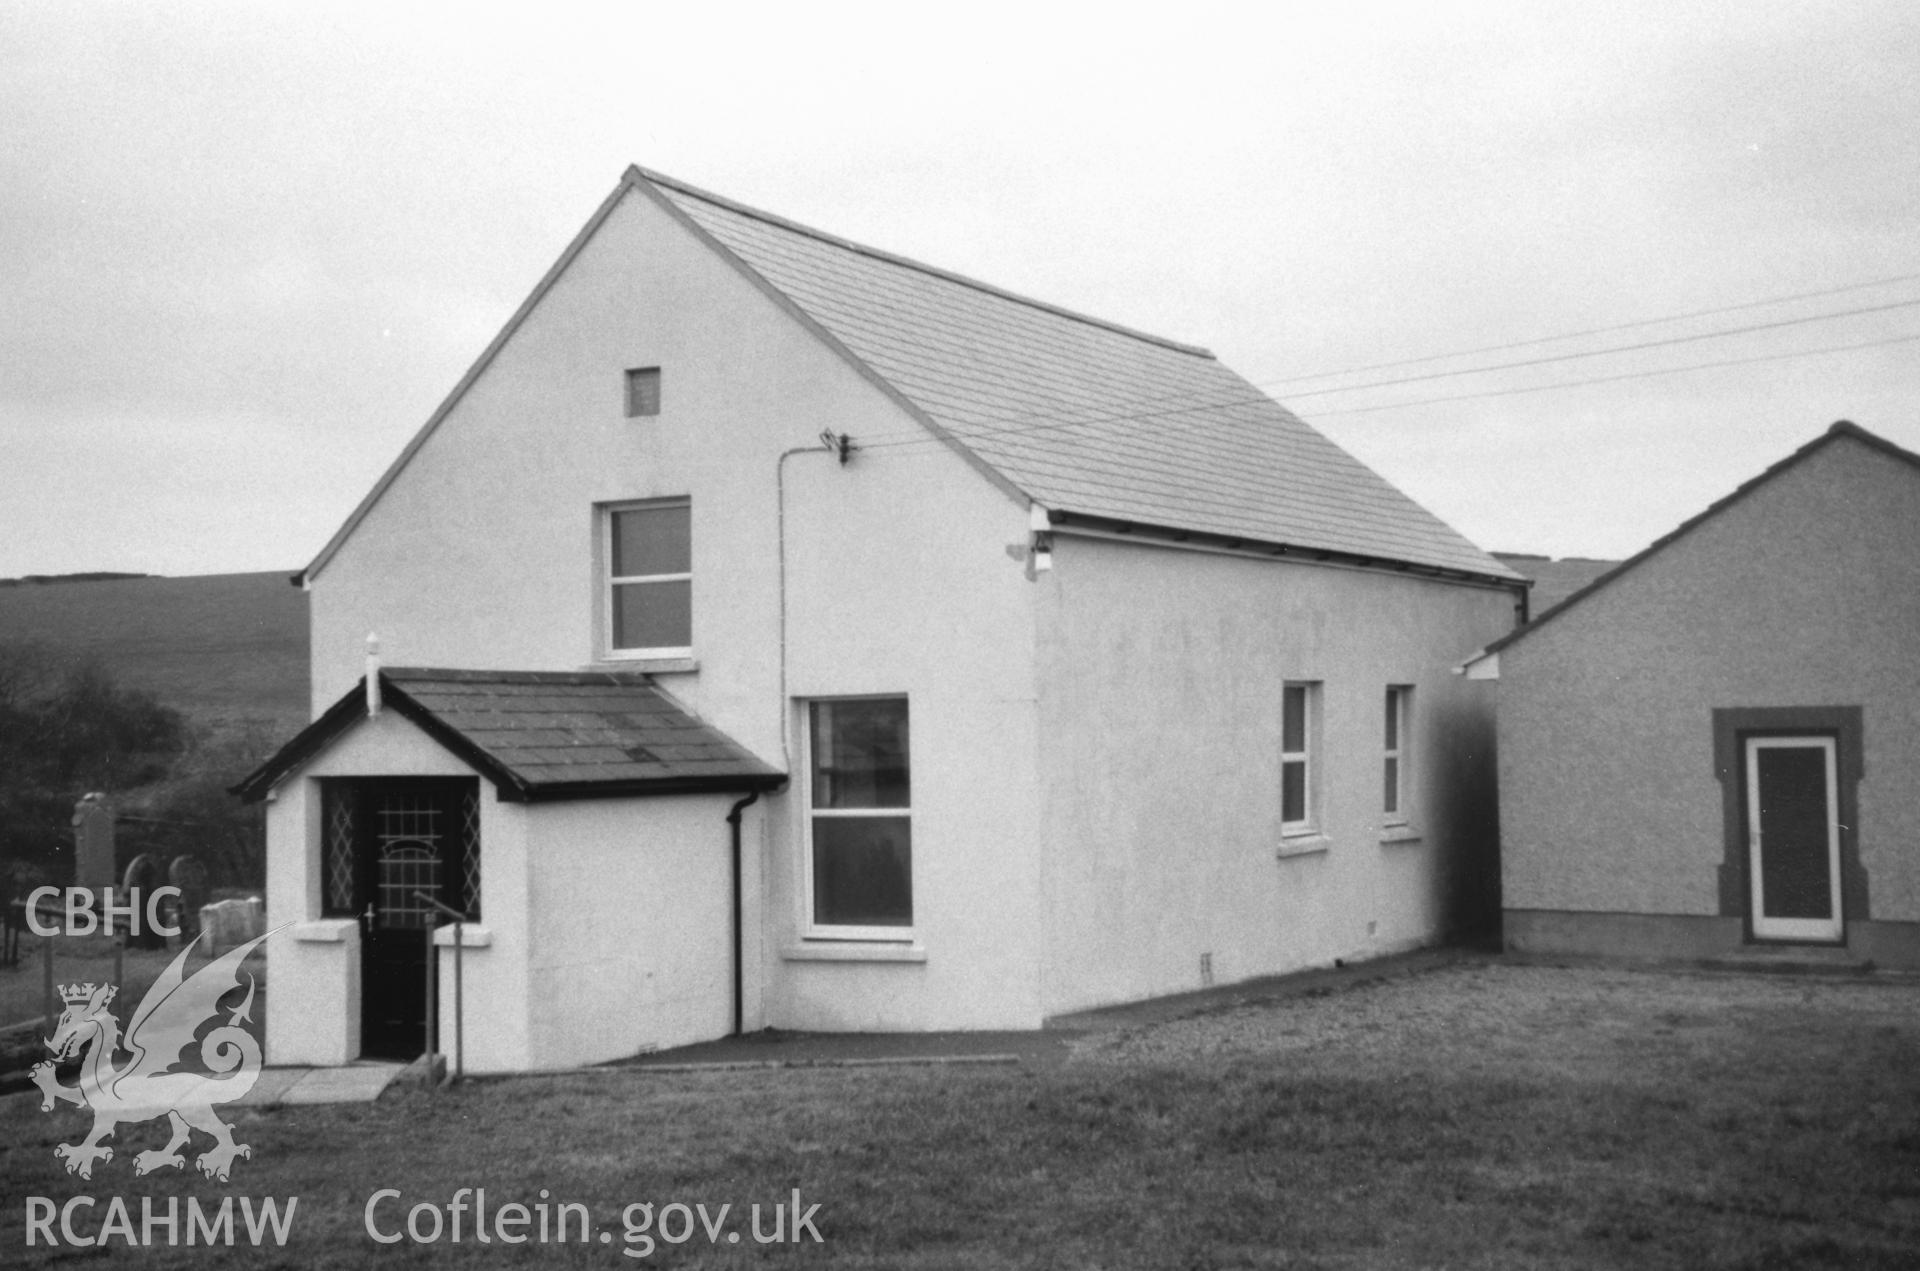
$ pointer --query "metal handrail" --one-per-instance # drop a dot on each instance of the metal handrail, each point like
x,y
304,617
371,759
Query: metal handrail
x,y
459,1002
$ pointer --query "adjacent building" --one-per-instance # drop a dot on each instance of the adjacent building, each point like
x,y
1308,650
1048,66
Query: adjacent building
x,y
1715,748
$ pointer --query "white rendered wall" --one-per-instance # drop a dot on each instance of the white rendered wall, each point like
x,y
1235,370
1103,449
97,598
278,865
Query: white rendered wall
x,y
631,933
900,583
1162,674
897,581
313,1015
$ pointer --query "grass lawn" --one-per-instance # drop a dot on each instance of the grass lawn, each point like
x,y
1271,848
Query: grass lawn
x,y
78,959
24,1026
1480,1115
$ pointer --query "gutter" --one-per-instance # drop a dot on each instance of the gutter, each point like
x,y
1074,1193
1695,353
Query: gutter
x,y
1084,525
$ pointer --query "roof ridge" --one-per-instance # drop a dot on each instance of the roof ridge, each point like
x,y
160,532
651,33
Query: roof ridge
x,y
906,262
473,675
1840,428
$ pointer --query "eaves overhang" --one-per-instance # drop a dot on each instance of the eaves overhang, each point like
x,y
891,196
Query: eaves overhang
x,y
1112,529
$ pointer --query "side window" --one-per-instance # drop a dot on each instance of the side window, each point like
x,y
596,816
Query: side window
x,y
1299,758
339,853
649,562
859,814
1394,773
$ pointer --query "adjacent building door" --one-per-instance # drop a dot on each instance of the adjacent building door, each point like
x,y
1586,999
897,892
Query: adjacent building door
x,y
1793,838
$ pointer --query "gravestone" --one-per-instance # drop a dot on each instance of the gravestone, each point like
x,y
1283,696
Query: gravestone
x,y
190,876
93,843
141,880
230,923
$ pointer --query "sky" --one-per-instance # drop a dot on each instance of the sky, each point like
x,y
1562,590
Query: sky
x,y
245,249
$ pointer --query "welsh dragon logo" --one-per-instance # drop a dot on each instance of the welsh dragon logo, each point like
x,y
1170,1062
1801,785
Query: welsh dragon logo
x,y
149,1085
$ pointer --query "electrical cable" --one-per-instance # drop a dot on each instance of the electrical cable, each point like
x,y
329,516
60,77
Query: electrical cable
x,y
1017,426
982,432
1694,338
1631,375
1575,335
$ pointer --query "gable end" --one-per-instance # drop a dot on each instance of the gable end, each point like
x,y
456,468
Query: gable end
x,y
1840,429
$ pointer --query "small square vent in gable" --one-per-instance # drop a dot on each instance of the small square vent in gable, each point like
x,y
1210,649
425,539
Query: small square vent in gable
x,y
643,391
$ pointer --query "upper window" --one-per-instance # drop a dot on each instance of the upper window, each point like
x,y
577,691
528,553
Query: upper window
x,y
1299,722
643,391
1394,774
649,554
859,819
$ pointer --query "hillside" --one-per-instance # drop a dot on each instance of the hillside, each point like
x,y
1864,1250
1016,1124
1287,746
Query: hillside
x,y
220,648
232,648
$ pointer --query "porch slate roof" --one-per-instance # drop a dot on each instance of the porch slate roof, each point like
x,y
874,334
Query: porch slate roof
x,y
542,735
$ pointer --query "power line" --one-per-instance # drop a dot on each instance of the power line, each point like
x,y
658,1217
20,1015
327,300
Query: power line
x,y
1029,423
1631,375
1575,335
1618,348
978,433
1018,429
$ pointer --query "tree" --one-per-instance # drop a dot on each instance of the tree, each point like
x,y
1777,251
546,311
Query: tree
x,y
67,728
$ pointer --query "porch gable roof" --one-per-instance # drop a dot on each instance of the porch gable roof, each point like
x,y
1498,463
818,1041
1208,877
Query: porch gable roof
x,y
544,735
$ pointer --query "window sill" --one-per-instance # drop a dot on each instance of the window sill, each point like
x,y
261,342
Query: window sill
x,y
1399,834
853,951
1309,844
472,936
325,930
649,666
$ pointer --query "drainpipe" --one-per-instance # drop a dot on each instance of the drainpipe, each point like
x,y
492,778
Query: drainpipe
x,y
739,994
830,443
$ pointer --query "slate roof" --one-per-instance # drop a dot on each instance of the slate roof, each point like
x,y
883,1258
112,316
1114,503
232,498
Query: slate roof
x,y
1553,580
1102,426
1080,415
546,735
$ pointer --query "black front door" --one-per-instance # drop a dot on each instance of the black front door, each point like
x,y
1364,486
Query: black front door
x,y
413,839
395,950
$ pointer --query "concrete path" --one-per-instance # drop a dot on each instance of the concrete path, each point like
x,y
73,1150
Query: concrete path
x,y
1315,982
356,1083
775,1048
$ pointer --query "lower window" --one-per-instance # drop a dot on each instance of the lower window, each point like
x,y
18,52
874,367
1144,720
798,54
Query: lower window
x,y
1394,776
1299,725
859,819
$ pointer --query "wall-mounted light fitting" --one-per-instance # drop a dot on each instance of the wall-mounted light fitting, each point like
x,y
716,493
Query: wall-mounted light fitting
x,y
1039,541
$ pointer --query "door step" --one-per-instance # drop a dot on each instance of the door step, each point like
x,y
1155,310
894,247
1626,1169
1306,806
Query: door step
x,y
1793,959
